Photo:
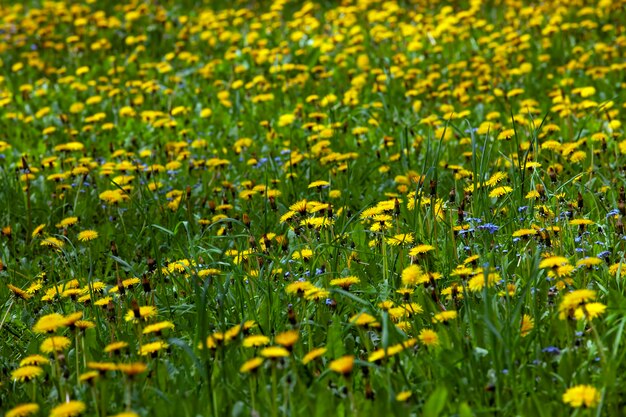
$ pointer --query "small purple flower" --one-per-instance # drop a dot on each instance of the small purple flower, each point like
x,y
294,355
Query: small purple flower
x,y
490,227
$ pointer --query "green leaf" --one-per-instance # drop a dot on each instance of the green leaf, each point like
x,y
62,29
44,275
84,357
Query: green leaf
x,y
465,410
436,402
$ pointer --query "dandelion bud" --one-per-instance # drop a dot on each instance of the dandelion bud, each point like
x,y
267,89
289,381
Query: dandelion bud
x,y
120,286
433,188
369,393
135,308
146,285
291,315
552,174
580,201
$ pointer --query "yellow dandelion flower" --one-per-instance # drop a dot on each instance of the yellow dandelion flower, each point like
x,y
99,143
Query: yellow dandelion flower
x,y
87,235
429,338
23,410
274,352
115,346
126,414
421,249
251,365
26,373
444,316
158,327
403,396
18,292
34,360
319,184
365,320
89,377
527,325
52,242
411,275
68,221
144,312
500,191
132,369
256,340
573,300
589,311
55,344
287,339
152,348
345,282
68,409
313,354
343,365
400,239
585,396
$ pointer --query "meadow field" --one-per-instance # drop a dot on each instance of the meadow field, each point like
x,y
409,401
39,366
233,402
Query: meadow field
x,y
333,208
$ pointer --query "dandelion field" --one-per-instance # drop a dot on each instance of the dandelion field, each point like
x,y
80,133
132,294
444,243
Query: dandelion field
x,y
312,208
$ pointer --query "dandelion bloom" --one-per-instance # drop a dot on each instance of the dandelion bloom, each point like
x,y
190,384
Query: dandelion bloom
x,y
144,312
429,337
365,320
582,396
68,409
421,249
411,275
403,396
34,360
158,327
115,346
572,301
589,311
23,410
52,242
256,340
87,235
342,365
528,324
152,348
71,319
18,292
345,282
55,344
68,221
102,367
400,239
287,339
26,373
274,352
89,377
132,369
250,365
445,316
313,354
126,414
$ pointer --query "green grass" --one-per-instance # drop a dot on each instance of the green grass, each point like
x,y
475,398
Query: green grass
x,y
486,138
